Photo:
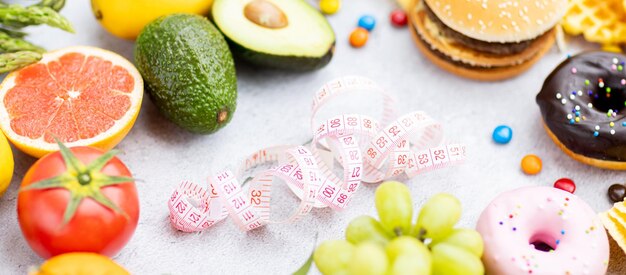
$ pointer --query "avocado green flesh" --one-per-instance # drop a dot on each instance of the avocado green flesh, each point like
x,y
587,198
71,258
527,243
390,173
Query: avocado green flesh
x,y
295,63
189,71
306,43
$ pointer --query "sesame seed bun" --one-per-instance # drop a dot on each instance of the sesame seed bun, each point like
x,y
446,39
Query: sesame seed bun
x,y
477,73
499,20
470,63
431,34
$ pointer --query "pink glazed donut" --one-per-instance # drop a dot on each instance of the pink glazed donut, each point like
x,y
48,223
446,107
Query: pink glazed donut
x,y
542,230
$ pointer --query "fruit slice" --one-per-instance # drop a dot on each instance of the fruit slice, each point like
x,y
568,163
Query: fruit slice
x,y
84,96
281,34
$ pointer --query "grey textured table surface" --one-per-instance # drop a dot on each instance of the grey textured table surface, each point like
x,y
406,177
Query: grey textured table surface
x,y
273,108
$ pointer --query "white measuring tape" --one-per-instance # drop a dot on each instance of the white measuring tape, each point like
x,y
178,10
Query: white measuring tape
x,y
410,145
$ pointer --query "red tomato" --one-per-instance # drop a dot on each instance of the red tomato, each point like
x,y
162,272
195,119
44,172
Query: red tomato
x,y
93,227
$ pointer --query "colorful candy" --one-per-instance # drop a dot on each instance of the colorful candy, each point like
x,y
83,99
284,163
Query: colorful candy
x,y
367,22
531,164
617,192
398,18
330,6
565,184
502,134
358,37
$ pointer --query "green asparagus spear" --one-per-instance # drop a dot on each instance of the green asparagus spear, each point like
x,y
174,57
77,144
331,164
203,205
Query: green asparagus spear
x,y
13,33
18,16
16,60
10,44
56,5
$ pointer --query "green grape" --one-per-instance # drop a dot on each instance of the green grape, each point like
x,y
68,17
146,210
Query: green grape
x,y
451,260
416,250
406,245
438,216
365,228
408,265
395,209
369,259
468,239
333,257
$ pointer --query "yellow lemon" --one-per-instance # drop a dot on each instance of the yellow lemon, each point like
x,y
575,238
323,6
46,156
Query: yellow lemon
x,y
126,18
6,164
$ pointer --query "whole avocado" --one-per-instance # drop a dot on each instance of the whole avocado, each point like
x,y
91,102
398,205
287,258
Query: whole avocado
x,y
189,71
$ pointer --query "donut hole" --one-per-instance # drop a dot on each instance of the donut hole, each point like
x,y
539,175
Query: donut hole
x,y
615,100
543,242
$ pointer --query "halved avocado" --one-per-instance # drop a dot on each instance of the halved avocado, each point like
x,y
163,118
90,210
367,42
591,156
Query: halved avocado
x,y
282,34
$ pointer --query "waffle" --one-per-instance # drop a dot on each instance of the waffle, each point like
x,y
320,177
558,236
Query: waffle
x,y
602,21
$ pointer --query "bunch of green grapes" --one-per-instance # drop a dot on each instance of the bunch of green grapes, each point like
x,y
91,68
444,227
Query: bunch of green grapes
x,y
394,245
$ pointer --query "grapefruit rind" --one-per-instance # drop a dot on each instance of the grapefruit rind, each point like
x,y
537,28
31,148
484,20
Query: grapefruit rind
x,y
104,140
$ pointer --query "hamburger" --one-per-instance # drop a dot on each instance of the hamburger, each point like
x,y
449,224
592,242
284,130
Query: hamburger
x,y
485,39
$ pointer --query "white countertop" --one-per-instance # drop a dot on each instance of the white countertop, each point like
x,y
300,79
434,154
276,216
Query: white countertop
x,y
273,108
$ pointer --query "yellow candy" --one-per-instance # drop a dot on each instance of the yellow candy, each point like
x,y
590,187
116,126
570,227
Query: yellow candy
x,y
330,6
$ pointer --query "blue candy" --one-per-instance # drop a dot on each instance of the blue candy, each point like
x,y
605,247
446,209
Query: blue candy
x,y
367,22
502,134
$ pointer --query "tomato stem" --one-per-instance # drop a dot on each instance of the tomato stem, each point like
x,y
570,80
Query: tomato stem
x,y
84,178
78,172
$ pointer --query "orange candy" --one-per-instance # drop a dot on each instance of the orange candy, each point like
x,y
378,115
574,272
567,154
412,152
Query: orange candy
x,y
358,37
531,164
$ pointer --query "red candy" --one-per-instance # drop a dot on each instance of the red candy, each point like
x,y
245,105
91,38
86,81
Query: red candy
x,y
398,18
565,184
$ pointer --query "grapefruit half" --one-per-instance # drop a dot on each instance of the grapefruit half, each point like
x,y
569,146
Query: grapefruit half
x,y
84,96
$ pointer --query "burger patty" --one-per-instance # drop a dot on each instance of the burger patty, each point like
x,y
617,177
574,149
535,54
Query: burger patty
x,y
449,59
475,44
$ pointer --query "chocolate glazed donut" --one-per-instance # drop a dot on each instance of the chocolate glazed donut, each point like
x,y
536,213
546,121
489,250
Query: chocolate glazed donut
x,y
583,105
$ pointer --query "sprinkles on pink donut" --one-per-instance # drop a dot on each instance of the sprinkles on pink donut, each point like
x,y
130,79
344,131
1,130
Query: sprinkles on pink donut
x,y
542,230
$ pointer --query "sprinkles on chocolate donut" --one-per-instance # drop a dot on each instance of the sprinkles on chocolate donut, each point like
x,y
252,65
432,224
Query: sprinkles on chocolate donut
x,y
583,105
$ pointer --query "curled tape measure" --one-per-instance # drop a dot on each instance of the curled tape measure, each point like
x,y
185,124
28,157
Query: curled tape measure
x,y
408,145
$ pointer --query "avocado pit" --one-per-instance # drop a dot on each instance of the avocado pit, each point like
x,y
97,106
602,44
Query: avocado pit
x,y
265,14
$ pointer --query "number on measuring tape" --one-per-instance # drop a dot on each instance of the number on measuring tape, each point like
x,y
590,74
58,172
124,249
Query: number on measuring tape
x,y
410,144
